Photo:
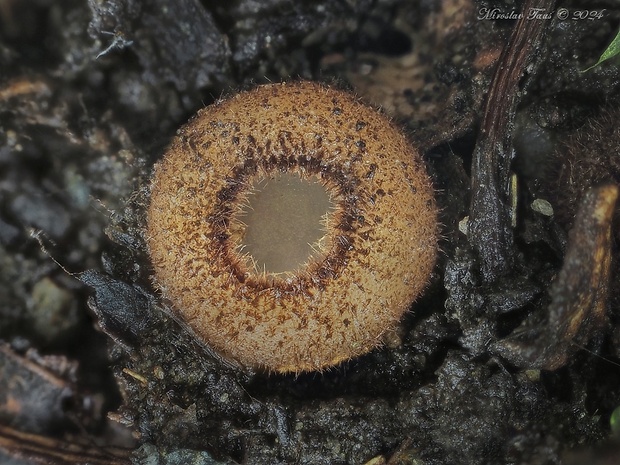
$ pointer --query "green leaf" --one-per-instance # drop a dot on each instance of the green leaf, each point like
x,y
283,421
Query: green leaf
x,y
614,421
611,51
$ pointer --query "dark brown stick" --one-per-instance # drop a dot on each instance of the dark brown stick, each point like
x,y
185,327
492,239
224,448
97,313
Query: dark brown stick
x,y
490,232
36,449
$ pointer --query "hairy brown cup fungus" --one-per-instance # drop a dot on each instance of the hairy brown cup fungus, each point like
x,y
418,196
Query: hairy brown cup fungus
x,y
291,226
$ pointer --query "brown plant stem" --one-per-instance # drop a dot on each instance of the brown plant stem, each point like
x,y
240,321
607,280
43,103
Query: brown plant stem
x,y
490,232
36,449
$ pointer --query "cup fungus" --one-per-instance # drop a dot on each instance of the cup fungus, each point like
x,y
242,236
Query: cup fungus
x,y
291,226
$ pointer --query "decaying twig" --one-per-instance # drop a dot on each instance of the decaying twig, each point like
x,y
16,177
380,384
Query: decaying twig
x,y
489,226
36,449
